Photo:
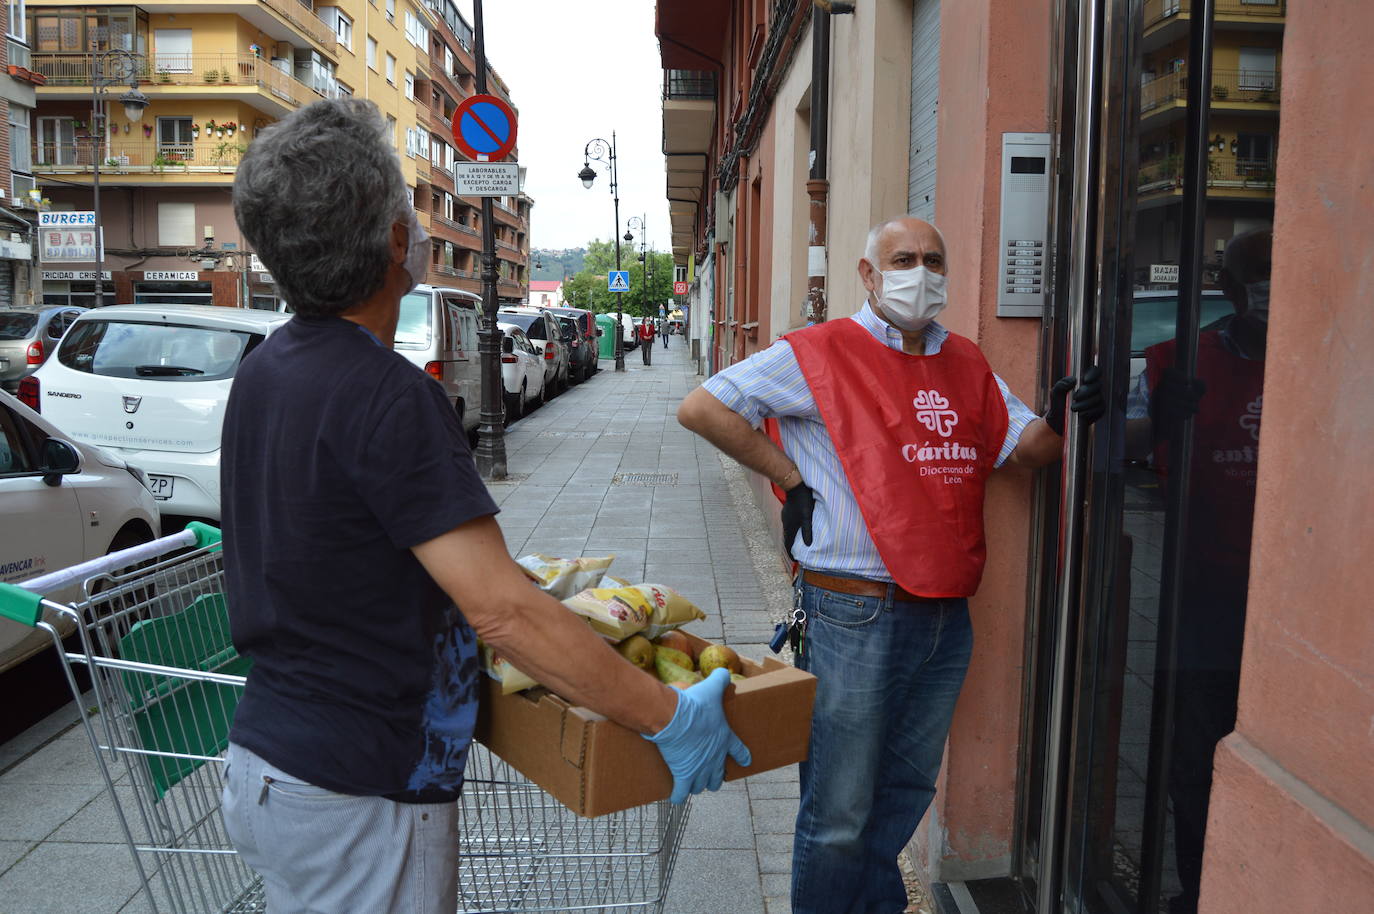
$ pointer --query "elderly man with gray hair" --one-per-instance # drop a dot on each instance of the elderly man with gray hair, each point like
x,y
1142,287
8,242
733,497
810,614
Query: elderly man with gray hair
x,y
363,559
889,427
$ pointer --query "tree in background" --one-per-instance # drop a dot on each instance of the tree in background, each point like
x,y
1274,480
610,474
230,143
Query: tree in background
x,y
588,289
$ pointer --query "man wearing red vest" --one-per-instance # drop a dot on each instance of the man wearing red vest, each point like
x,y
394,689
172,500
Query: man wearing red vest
x,y
1224,399
889,427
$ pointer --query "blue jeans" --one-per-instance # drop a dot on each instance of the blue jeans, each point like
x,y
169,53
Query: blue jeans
x,y
888,676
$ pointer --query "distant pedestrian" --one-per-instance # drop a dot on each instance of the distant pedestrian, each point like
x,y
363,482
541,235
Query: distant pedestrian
x,y
897,424
667,329
362,558
646,339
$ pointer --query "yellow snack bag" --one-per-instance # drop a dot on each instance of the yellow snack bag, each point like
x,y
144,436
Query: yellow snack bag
x,y
616,612
561,578
670,609
501,669
619,612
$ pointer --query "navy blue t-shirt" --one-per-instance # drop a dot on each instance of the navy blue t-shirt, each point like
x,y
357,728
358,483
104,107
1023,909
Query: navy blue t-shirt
x,y
339,456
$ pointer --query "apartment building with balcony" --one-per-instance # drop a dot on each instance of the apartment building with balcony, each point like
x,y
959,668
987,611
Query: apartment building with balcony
x,y
17,83
441,75
1242,116
215,75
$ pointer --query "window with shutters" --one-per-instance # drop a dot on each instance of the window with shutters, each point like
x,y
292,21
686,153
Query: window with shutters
x,y
21,148
176,224
56,141
175,142
172,50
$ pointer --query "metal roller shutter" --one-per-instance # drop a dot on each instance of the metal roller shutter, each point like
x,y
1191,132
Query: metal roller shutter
x,y
925,103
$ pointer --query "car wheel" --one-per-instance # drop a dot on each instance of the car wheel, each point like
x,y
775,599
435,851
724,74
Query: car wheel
x,y
519,411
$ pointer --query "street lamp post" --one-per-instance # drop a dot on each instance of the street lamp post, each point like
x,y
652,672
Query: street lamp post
x,y
598,150
631,224
109,68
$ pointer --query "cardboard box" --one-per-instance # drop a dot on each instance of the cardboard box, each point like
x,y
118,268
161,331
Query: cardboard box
x,y
595,767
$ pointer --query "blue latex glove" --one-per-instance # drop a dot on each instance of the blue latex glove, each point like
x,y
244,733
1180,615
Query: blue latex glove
x,y
696,740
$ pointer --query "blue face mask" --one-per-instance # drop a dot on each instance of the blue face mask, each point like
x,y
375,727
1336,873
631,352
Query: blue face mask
x,y
417,255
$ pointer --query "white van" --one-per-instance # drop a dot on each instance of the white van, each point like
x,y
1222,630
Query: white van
x,y
437,331
151,382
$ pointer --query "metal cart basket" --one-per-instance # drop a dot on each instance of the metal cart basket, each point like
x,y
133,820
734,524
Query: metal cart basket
x,y
152,636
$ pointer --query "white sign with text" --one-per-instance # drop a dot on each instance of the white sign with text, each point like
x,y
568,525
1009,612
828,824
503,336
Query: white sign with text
x,y
486,179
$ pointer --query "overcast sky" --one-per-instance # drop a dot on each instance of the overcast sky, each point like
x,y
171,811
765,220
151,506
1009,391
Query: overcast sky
x,y
578,71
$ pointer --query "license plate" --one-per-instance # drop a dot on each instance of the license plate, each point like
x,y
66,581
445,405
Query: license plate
x,y
161,486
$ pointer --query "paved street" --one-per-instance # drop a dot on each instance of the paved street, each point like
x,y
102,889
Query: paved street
x,y
605,468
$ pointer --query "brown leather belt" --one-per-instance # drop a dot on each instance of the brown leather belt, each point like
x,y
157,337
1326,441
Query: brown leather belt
x,y
860,587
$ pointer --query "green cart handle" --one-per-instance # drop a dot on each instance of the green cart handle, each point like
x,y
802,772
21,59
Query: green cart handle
x,y
19,605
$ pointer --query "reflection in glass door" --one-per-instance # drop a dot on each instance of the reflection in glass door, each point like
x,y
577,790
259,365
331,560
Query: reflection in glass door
x,y
1151,604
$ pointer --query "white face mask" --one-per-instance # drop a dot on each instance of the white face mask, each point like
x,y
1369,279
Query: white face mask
x,y
912,298
1257,300
417,255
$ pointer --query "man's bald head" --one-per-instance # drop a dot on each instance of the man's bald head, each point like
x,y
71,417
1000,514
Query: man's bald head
x,y
890,232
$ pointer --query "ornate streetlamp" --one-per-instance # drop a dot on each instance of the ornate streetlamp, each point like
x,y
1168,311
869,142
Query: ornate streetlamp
x,y
109,68
598,150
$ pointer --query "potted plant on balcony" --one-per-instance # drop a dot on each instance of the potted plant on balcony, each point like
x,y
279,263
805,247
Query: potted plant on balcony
x,y
1219,92
164,75
211,75
147,131
230,127
230,151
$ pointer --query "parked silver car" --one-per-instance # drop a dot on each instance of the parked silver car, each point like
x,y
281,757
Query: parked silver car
x,y
28,336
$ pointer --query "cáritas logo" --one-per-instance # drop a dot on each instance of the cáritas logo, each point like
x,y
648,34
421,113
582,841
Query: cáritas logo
x,y
932,411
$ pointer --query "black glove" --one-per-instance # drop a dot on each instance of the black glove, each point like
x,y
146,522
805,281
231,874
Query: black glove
x,y
1174,399
1087,399
796,515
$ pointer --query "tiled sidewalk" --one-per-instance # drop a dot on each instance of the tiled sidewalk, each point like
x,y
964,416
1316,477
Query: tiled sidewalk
x,y
604,468
575,493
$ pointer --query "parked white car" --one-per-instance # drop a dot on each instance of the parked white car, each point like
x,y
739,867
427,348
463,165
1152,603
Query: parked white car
x,y
151,383
62,502
522,371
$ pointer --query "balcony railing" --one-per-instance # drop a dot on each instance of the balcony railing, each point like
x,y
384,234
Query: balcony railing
x,y
305,20
185,70
1245,85
1159,10
1223,171
1259,86
128,156
689,84
1167,88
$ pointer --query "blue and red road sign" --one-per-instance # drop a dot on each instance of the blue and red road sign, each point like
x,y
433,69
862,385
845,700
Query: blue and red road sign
x,y
484,128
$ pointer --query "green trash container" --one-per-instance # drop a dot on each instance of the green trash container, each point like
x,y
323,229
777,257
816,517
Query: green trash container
x,y
606,324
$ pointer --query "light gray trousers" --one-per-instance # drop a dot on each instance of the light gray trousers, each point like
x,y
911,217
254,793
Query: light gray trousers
x,y
321,852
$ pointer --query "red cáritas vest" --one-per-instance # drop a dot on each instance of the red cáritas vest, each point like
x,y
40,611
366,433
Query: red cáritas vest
x,y
1221,488
917,436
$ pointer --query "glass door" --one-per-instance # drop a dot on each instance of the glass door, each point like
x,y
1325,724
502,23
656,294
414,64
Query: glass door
x,y
1168,138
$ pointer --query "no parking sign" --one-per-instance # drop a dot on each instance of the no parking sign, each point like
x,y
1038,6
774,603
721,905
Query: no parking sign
x,y
484,128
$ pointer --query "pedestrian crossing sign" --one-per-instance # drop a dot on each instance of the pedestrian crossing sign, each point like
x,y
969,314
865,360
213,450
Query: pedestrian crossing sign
x,y
619,281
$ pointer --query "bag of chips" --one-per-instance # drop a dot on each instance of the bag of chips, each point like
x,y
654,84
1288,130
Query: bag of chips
x,y
561,578
501,669
619,612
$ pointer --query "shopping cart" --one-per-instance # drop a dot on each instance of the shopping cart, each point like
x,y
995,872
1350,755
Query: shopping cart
x,y
152,634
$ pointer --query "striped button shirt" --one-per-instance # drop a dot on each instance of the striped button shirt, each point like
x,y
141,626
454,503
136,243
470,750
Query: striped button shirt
x,y
769,384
